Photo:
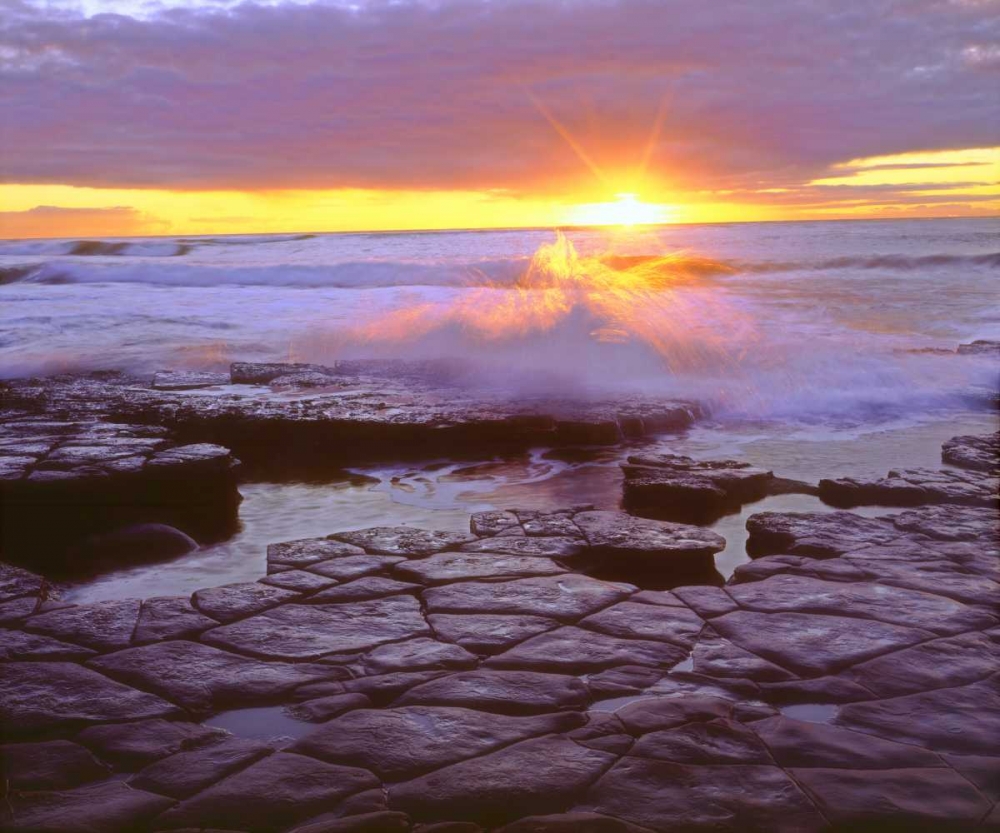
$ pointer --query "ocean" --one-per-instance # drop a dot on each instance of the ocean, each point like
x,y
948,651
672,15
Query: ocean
x,y
820,348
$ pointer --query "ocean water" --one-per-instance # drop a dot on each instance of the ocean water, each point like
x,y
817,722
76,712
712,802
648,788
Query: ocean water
x,y
813,322
822,349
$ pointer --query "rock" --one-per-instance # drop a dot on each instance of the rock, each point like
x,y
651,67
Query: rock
x,y
982,771
186,773
717,657
50,765
654,713
631,620
617,539
17,609
16,582
970,452
139,542
372,587
914,799
666,796
566,597
109,806
308,551
951,523
485,524
795,743
961,719
548,524
103,626
384,821
865,600
415,739
39,696
714,742
21,645
299,581
134,745
831,569
292,381
188,380
505,692
820,535
274,793
322,709
237,601
980,347
573,822
261,373
810,643
488,633
536,776
351,567
169,617
912,487
706,601
819,690
456,566
310,631
574,650
402,540
936,664
203,678
384,688
558,547
416,655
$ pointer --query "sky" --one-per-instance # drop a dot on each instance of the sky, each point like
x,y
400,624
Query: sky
x,y
136,117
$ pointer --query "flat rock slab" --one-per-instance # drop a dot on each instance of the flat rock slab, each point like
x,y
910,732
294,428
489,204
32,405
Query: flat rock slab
x,y
203,678
103,626
169,617
980,453
36,696
667,796
297,632
715,742
308,551
415,739
819,535
49,765
134,745
536,776
618,536
912,487
445,568
237,601
402,540
185,773
566,597
488,632
634,620
505,692
276,792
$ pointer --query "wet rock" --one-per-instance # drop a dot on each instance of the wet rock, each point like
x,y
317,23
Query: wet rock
x,y
271,794
982,771
980,453
261,373
505,692
15,610
717,657
110,806
38,696
575,650
402,540
573,822
631,620
322,709
134,745
373,587
951,523
619,539
485,524
294,381
961,719
866,600
186,773
936,664
416,655
299,581
819,535
666,796
50,765
188,379
237,601
707,602
714,742
831,569
488,633
980,347
813,644
308,551
566,597
203,678
384,688
536,776
351,567
914,799
558,547
103,626
151,542
655,713
21,645
169,617
819,690
548,524
310,631
796,743
384,821
457,566
16,582
415,739
912,487
682,489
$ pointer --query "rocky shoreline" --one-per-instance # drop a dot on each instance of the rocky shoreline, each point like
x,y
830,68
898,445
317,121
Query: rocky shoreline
x,y
520,677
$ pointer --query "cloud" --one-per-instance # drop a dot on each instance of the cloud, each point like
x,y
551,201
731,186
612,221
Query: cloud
x,y
54,221
408,94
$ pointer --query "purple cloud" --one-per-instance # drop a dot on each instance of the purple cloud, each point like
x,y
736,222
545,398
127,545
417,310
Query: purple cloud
x,y
417,95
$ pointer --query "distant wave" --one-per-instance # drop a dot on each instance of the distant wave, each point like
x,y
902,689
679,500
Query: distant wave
x,y
177,247
899,262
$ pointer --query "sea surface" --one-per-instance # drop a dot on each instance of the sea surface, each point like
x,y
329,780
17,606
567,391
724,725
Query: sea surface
x,y
821,348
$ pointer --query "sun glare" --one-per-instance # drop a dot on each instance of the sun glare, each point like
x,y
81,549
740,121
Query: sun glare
x,y
627,210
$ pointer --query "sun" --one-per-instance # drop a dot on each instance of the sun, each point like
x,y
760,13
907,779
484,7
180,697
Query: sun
x,y
626,210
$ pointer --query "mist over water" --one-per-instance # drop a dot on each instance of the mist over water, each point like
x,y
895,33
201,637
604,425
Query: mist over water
x,y
805,322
